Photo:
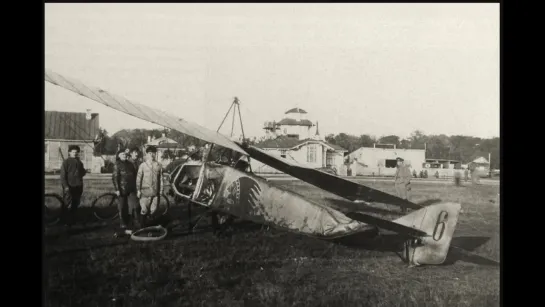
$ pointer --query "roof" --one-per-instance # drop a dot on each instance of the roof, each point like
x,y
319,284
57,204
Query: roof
x,y
359,150
70,126
296,110
168,145
294,122
279,142
283,142
162,141
480,160
442,160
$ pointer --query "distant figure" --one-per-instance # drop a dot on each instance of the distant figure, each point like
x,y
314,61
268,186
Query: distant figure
x,y
466,175
425,173
124,180
457,179
402,181
474,174
414,174
149,185
72,172
422,174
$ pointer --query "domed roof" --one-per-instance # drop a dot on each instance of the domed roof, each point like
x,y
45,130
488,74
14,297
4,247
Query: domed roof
x,y
296,110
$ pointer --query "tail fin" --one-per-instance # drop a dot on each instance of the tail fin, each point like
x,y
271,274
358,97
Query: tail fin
x,y
439,222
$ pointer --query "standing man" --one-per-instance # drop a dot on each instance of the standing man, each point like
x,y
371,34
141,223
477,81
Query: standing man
x,y
135,160
72,172
124,179
149,184
402,181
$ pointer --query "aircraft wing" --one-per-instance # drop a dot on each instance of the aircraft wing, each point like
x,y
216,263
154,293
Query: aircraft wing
x,y
331,183
141,111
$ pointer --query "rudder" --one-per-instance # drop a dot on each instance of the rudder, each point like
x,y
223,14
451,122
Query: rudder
x,y
439,222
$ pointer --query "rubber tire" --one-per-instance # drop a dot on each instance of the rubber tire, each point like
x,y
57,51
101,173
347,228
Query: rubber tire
x,y
111,218
54,220
134,237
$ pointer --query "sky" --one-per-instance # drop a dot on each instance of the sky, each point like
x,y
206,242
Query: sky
x,y
375,69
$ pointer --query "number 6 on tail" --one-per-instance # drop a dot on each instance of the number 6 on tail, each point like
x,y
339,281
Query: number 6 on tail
x,y
439,222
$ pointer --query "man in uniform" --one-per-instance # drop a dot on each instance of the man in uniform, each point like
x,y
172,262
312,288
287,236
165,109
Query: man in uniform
x,y
72,172
124,180
149,184
402,181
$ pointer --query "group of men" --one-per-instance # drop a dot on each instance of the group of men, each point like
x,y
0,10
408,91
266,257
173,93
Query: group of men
x,y
137,184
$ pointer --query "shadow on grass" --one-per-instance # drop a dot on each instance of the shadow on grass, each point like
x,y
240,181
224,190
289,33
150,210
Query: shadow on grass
x,y
461,248
63,231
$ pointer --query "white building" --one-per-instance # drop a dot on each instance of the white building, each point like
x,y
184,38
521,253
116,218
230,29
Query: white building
x,y
367,161
294,125
295,139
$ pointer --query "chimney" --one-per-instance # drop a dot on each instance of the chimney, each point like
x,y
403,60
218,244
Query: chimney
x,y
88,114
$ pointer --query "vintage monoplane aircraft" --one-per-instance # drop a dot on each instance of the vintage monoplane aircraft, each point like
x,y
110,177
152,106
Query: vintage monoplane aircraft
x,y
236,191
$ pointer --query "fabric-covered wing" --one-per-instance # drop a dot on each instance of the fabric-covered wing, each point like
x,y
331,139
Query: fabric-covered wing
x,y
141,111
331,183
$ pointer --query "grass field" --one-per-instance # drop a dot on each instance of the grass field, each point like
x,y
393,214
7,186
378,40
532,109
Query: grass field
x,y
256,266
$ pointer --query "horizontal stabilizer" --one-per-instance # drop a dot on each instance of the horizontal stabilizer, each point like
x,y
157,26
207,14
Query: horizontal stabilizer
x,y
339,186
385,224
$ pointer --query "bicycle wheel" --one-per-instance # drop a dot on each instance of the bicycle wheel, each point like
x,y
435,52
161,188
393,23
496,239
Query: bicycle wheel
x,y
163,205
54,208
105,207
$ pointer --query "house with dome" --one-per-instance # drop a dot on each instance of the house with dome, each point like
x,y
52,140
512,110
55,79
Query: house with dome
x,y
297,139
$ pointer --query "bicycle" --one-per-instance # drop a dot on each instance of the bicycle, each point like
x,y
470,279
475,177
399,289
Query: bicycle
x,y
109,212
54,212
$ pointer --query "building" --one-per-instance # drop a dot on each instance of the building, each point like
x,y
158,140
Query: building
x,y
443,164
294,138
294,125
164,144
314,153
442,168
369,161
481,166
63,129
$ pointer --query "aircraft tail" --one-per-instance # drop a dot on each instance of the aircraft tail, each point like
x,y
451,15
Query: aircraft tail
x,y
438,222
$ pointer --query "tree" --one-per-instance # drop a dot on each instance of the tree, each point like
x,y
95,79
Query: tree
x,y
367,140
418,140
390,139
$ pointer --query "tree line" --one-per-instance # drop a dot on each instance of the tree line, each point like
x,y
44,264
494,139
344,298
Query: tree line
x,y
456,147
107,144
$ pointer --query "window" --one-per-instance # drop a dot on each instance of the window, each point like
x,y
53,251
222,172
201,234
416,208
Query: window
x,y
391,163
329,160
283,153
311,153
